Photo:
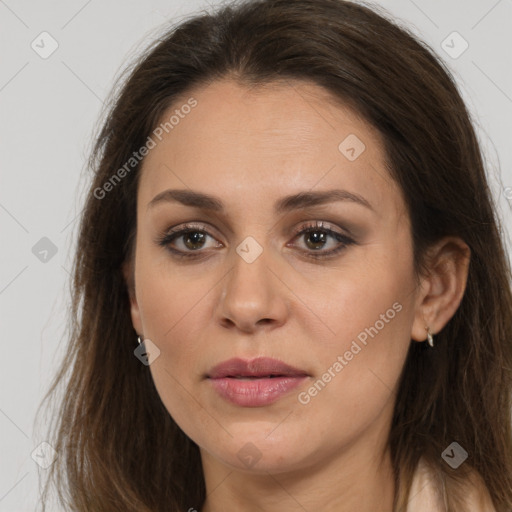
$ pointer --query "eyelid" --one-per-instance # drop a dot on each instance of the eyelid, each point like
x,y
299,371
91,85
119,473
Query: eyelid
x,y
189,226
320,225
344,240
178,231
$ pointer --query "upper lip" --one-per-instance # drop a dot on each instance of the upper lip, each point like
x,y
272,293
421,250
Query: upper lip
x,y
259,367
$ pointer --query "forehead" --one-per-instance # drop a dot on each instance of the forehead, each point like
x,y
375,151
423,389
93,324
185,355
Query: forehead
x,y
262,142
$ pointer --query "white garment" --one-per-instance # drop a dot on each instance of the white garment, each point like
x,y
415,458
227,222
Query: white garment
x,y
425,496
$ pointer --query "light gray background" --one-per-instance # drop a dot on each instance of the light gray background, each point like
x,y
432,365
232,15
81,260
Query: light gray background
x,y
49,108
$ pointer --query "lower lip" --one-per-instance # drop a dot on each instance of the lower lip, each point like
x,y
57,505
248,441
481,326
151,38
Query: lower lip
x,y
255,392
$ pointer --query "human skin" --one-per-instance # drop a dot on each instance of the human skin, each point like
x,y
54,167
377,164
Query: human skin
x,y
251,147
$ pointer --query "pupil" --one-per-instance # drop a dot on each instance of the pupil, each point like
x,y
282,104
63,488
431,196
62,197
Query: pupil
x,y
196,238
193,238
317,237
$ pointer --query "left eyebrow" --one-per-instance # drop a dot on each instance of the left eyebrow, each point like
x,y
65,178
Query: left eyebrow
x,y
285,204
308,199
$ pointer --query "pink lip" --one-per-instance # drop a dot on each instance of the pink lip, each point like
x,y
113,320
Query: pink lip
x,y
248,383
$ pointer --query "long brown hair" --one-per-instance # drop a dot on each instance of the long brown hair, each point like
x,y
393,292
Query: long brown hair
x,y
118,447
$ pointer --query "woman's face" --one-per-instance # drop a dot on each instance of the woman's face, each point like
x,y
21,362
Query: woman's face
x,y
336,303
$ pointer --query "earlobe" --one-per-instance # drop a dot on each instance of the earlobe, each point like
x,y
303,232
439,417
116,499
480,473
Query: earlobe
x,y
442,288
129,279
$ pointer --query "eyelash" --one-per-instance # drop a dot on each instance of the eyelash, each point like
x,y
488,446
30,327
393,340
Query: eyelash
x,y
173,234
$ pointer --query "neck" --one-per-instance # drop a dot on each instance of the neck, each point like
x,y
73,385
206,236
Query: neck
x,y
356,479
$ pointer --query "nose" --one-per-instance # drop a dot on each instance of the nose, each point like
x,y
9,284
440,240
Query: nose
x,y
253,297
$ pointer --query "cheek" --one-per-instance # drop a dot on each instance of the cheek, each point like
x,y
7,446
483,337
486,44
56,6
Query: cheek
x,y
172,306
368,341
370,311
366,292
172,303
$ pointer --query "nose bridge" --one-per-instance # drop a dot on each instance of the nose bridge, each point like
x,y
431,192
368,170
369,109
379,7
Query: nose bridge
x,y
249,280
251,291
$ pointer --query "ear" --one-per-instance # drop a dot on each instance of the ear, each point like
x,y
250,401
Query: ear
x,y
129,278
442,287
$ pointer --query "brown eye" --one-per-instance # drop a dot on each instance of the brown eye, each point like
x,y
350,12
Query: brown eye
x,y
317,237
194,239
187,241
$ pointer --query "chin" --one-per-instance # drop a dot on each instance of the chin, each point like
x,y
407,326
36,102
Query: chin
x,y
256,449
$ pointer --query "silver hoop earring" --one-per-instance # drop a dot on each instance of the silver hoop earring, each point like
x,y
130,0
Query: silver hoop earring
x,y
430,338
139,340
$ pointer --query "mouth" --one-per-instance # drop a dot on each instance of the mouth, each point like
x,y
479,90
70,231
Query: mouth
x,y
261,367
252,377
254,383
